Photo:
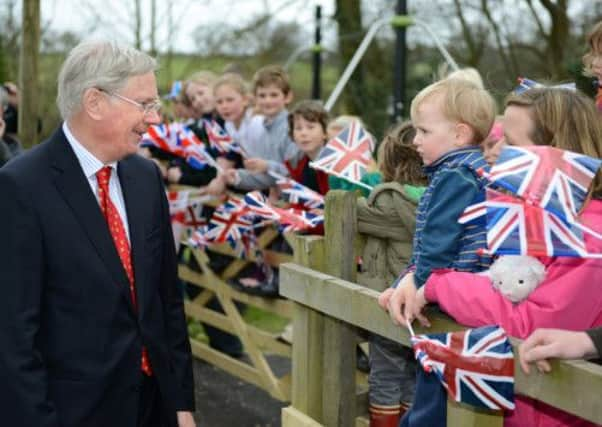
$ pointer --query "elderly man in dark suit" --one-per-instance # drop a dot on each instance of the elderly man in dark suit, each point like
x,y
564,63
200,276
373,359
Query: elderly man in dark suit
x,y
92,329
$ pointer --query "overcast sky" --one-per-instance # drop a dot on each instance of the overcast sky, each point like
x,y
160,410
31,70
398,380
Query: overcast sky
x,y
114,18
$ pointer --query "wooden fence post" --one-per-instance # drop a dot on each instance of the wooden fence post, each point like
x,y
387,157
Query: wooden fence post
x,y
339,390
308,325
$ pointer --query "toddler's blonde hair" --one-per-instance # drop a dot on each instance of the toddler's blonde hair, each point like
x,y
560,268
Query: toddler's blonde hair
x,y
462,102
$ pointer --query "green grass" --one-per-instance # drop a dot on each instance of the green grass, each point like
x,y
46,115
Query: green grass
x,y
265,320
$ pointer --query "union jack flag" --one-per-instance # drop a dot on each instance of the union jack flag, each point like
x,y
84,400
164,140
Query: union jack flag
x,y
348,154
177,139
229,223
260,207
524,84
557,180
183,208
516,227
297,193
293,219
219,138
476,366
158,136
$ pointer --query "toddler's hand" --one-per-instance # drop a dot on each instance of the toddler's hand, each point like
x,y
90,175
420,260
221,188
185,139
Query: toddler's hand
x,y
383,298
420,304
403,296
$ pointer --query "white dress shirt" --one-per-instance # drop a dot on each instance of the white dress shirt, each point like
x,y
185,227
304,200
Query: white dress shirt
x,y
90,166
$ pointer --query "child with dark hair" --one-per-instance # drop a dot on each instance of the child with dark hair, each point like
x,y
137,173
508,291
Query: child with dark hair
x,y
307,127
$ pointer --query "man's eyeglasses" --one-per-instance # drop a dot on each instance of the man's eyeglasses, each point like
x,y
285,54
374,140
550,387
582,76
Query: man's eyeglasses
x,y
146,107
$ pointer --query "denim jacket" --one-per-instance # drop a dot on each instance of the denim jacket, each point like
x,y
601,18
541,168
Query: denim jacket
x,y
440,241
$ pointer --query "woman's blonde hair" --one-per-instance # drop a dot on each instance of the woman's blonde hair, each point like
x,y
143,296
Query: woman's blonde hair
x,y
463,102
563,119
398,159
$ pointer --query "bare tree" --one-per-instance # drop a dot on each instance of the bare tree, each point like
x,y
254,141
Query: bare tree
x,y
28,75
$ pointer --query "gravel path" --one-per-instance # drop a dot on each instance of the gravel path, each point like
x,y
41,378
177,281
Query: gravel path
x,y
223,400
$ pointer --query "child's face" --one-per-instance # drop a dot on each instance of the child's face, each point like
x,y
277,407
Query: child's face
x,y
201,98
271,100
230,103
436,135
518,125
309,136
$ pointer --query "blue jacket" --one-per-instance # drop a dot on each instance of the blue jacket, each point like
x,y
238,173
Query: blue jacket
x,y
440,241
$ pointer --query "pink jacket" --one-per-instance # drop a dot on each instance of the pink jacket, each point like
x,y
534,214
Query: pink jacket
x,y
568,298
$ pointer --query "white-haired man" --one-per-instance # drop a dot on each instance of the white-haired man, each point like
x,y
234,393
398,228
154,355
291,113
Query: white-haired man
x,y
92,327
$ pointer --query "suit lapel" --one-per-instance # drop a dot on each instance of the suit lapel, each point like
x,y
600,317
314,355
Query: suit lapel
x,y
133,195
74,188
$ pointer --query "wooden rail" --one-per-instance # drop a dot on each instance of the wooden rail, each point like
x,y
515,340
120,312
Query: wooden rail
x,y
329,306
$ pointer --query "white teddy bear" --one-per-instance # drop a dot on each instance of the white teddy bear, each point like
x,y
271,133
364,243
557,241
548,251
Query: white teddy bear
x,y
516,276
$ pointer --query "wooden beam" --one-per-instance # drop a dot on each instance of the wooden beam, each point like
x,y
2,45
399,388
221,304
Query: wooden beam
x,y
292,417
572,386
468,416
265,340
212,282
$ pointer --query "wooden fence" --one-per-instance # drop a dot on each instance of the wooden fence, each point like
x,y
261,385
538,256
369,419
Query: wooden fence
x,y
330,306
257,343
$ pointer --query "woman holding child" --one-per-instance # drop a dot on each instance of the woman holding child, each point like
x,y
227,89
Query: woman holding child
x,y
567,298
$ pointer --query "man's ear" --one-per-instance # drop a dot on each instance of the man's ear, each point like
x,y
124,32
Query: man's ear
x,y
289,97
464,135
93,103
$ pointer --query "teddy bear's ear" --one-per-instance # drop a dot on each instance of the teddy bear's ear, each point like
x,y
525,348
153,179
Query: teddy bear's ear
x,y
538,269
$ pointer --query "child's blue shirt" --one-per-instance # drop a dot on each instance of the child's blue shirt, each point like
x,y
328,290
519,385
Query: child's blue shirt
x,y
440,241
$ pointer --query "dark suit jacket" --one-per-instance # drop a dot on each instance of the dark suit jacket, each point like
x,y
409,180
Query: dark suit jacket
x,y
70,338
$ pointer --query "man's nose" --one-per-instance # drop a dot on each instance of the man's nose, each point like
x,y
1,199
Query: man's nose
x,y
153,117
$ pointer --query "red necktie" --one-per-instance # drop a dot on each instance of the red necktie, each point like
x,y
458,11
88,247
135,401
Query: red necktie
x,y
121,242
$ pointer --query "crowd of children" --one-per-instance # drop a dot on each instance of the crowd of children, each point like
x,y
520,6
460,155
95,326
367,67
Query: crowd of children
x,y
428,171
